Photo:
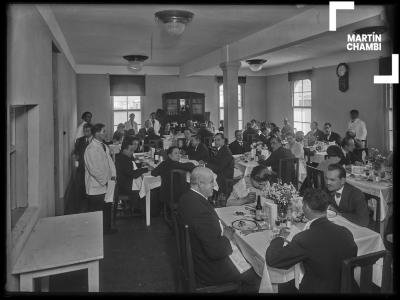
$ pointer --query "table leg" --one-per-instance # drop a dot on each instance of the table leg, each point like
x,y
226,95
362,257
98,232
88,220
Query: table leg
x,y
26,283
44,284
93,276
148,207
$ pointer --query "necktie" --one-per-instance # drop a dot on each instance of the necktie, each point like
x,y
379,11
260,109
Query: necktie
x,y
337,195
153,123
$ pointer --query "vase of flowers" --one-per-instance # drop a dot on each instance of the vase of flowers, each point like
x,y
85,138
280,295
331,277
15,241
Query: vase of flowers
x,y
377,160
282,195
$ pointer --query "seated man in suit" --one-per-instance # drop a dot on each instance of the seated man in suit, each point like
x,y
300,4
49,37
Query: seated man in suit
x,y
249,130
346,199
186,145
127,171
198,151
321,247
278,153
331,136
238,146
222,163
314,135
209,240
349,157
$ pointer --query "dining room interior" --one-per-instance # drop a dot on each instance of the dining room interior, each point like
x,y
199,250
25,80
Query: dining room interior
x,y
192,148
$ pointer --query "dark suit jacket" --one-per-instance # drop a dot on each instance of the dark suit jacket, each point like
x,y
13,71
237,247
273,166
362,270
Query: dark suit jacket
x,y
334,137
237,149
187,146
125,172
164,170
199,153
322,248
79,150
210,250
319,135
247,132
273,159
352,205
222,164
350,158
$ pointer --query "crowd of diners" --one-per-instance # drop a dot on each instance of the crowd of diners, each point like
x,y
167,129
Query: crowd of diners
x,y
321,249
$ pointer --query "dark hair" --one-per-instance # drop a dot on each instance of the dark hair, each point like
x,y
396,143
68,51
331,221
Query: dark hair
x,y
290,134
334,150
236,131
170,149
88,125
277,138
257,170
85,113
131,132
128,140
272,125
316,199
221,135
354,112
315,122
327,123
197,137
346,140
131,115
97,128
342,171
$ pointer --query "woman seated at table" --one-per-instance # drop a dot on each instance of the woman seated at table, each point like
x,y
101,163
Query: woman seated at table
x,y
164,170
245,190
334,156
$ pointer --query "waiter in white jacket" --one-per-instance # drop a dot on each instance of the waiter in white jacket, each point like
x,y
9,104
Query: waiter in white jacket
x,y
87,118
154,123
100,176
358,126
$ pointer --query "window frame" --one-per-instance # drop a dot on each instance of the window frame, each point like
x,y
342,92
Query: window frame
x,y
221,108
388,94
301,107
127,110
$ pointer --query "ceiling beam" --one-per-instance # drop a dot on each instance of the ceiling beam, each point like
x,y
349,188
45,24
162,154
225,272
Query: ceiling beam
x,y
55,29
307,25
123,70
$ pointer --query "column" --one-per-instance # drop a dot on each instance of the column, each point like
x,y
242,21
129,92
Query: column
x,y
230,72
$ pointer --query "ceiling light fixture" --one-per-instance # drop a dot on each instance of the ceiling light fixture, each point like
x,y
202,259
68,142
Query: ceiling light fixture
x,y
174,21
135,62
256,64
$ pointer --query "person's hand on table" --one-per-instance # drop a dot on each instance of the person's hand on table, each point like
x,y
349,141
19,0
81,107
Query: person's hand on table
x,y
228,232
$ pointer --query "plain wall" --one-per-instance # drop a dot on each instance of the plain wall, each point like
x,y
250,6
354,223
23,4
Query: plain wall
x,y
94,91
331,105
29,82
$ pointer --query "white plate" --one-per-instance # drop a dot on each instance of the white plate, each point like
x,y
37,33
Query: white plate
x,y
244,224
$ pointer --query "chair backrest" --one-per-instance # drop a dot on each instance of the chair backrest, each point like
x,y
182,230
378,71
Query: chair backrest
x,y
178,185
186,268
315,177
251,137
366,263
288,171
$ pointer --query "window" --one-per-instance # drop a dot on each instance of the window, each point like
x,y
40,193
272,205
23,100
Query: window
x,y
240,104
301,95
123,106
389,101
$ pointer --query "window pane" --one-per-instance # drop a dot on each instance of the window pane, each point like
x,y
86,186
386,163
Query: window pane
x,y
391,96
240,114
297,126
390,140
221,96
120,102
307,85
302,115
138,116
221,114
240,95
120,117
307,99
133,102
240,127
297,99
390,119
297,86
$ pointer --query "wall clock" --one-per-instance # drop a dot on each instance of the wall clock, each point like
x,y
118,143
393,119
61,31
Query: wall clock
x,y
342,71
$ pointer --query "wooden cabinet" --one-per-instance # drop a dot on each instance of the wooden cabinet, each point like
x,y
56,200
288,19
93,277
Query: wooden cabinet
x,y
182,106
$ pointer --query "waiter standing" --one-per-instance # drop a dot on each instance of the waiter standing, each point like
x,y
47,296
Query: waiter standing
x,y
358,126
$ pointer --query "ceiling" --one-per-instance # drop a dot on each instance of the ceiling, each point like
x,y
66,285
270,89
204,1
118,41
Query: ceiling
x,y
102,34
99,35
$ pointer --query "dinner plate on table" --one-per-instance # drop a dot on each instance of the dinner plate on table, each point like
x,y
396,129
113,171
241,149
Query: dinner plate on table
x,y
331,213
244,224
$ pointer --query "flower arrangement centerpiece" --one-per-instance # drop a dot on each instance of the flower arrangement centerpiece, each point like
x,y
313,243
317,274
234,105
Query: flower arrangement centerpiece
x,y
376,158
282,195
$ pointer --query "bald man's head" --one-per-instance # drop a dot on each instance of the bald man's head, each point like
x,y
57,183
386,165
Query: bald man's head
x,y
202,180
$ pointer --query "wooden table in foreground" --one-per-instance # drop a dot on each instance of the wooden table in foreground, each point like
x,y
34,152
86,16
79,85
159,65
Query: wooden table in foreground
x,y
62,244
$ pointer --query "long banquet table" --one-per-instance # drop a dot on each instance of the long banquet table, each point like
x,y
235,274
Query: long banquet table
x,y
254,246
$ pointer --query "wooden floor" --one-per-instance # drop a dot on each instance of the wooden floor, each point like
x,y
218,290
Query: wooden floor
x,y
137,259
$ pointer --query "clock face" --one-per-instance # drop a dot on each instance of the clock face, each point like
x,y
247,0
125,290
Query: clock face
x,y
341,70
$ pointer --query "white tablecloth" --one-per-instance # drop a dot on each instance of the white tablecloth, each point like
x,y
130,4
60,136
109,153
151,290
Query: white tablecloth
x,y
318,157
382,189
254,246
245,167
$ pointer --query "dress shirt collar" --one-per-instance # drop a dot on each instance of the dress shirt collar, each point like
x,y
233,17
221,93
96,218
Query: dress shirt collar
x,y
344,151
337,199
199,193
219,148
308,224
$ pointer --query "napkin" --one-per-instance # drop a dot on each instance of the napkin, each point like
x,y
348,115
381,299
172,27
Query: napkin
x,y
109,197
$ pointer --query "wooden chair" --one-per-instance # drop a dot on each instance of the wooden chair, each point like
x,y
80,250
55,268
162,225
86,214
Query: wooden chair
x,y
187,279
178,185
374,224
366,263
315,177
288,171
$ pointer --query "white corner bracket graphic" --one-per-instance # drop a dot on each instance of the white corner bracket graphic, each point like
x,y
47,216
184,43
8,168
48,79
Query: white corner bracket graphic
x,y
333,7
394,78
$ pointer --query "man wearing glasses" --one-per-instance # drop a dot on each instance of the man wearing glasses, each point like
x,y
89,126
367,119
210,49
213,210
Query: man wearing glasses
x,y
331,136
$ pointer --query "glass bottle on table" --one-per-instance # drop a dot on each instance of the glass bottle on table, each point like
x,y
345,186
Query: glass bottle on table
x,y
259,210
